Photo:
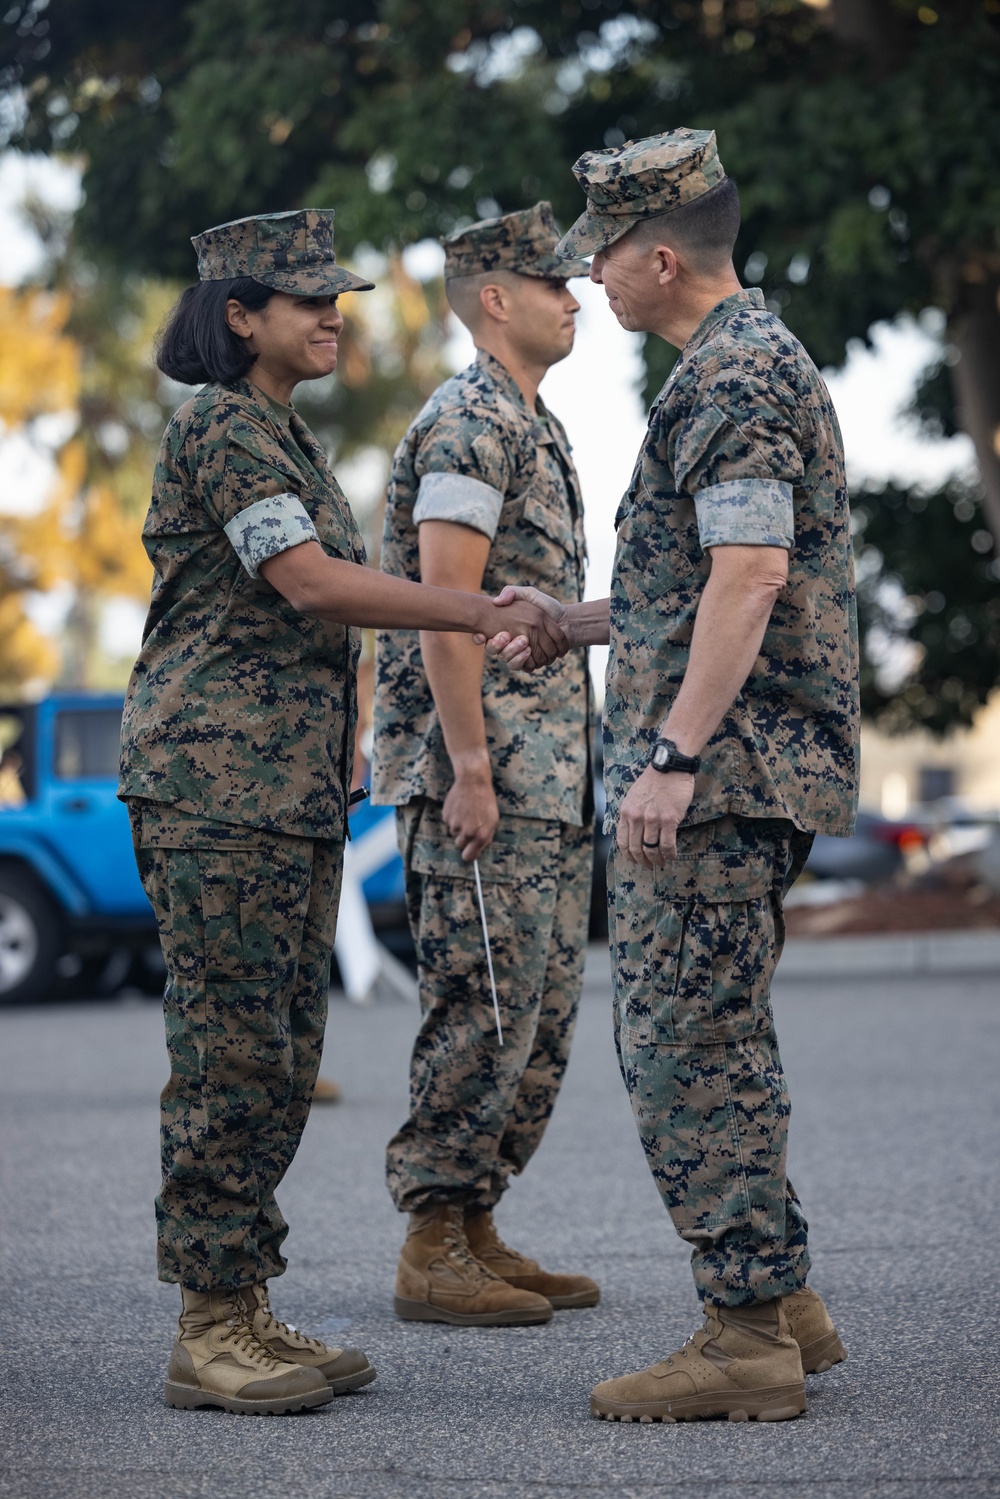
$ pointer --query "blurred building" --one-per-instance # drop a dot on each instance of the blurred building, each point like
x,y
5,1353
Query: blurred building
x,y
915,769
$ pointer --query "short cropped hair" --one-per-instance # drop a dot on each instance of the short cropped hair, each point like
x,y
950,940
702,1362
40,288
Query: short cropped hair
x,y
463,293
197,344
706,228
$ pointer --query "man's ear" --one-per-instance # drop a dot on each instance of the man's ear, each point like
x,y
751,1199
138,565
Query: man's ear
x,y
667,263
495,303
237,320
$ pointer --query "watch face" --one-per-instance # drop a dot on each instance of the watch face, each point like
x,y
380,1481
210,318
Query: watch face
x,y
661,756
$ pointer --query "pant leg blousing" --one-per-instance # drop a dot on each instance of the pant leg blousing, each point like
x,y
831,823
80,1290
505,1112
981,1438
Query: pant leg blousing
x,y
247,921
478,1111
694,948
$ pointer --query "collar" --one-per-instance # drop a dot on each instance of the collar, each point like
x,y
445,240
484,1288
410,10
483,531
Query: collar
x,y
541,431
310,445
501,376
282,411
737,301
256,399
300,434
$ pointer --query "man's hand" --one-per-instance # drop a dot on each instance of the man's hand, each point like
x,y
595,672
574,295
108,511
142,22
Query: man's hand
x,y
531,632
651,813
514,644
471,813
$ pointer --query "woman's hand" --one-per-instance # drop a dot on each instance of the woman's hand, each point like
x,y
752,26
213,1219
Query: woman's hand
x,y
514,643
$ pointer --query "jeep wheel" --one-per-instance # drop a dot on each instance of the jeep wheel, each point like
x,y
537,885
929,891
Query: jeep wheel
x,y
29,939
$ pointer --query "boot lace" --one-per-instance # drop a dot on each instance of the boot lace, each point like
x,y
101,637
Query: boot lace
x,y
271,1327
693,1343
457,1248
239,1332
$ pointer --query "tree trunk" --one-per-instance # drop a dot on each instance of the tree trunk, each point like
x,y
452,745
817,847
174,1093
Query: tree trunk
x,y
79,642
975,331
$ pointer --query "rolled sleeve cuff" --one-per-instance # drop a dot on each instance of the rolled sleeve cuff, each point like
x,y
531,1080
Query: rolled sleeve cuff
x,y
461,499
268,527
746,512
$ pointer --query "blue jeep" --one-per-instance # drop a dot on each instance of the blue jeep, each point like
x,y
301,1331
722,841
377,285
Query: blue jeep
x,y
71,904
68,882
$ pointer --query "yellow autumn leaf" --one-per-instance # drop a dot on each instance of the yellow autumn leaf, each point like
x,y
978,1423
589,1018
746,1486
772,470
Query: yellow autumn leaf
x,y
39,363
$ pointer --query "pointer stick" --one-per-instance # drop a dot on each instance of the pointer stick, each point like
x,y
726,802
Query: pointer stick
x,y
489,955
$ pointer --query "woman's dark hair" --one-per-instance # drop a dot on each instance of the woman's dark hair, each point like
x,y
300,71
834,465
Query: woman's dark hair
x,y
197,344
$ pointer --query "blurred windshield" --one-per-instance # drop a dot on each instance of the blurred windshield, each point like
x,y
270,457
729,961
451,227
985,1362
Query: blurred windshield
x,y
87,744
15,756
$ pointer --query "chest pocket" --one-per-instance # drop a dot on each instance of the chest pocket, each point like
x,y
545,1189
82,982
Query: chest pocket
x,y
658,546
535,544
551,518
335,525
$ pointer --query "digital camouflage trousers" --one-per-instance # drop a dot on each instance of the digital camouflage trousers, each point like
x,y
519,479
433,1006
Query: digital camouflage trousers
x,y
247,920
478,1110
693,951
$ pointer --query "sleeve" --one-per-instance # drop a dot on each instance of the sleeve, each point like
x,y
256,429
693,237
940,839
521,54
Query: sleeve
x,y
737,455
259,504
268,527
463,471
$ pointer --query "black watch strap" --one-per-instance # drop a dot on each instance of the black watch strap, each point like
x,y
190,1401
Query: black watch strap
x,y
666,756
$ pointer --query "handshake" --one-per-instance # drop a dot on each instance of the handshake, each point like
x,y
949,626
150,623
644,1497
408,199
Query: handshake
x,y
528,629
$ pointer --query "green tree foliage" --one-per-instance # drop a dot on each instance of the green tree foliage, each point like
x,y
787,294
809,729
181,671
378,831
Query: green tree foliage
x,y
928,595
865,135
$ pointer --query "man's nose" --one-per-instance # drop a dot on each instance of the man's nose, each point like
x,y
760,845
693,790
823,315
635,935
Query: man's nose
x,y
597,268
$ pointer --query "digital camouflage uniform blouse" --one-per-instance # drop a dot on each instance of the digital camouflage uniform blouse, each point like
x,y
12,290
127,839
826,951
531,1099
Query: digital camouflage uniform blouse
x,y
742,446
525,495
240,709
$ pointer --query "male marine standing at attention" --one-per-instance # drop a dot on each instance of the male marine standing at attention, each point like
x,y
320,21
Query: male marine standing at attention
x,y
488,765
731,738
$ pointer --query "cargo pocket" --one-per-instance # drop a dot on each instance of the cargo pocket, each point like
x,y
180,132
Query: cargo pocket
x,y
521,848
253,910
712,954
440,858
519,891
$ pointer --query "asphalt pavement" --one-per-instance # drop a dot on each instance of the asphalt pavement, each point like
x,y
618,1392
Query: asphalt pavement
x,y
894,1153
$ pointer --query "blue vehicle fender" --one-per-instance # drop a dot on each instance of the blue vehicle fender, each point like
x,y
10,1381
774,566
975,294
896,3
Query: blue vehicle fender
x,y
49,870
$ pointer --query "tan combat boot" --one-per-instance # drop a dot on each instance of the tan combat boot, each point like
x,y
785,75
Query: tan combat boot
x,y
219,1360
343,1368
517,1270
811,1326
743,1363
440,1280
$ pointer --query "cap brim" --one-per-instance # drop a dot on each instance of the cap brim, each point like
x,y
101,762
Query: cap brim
x,y
593,232
316,281
555,267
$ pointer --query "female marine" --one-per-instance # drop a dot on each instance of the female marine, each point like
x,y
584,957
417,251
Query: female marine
x,y
236,762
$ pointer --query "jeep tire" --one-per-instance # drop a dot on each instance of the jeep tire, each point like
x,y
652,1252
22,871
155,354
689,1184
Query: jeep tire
x,y
29,937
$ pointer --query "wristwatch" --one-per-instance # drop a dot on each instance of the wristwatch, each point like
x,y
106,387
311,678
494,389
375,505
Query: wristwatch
x,y
666,756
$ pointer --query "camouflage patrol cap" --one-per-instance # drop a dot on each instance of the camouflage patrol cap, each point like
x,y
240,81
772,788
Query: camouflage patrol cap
x,y
524,242
291,252
637,180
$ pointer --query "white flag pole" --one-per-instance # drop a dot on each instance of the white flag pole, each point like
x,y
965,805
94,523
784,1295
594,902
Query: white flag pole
x,y
489,955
